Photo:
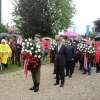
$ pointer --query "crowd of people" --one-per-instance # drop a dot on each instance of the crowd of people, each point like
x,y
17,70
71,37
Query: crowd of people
x,y
67,54
64,55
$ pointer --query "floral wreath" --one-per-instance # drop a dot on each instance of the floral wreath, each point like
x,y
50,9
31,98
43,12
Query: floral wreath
x,y
85,48
53,45
31,53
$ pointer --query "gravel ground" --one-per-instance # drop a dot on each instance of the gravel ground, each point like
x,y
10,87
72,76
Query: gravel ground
x,y
15,86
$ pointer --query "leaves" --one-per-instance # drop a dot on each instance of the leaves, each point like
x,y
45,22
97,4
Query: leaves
x,y
47,17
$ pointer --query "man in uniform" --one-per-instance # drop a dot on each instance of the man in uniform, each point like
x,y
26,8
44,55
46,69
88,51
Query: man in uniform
x,y
35,72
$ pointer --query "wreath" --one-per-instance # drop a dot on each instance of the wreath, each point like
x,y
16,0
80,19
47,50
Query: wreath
x,y
53,45
31,53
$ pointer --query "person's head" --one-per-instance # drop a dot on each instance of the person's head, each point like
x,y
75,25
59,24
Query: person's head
x,y
3,41
59,39
36,39
69,42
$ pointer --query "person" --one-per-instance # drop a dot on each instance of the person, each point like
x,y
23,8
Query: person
x,y
46,49
70,64
18,54
13,48
5,53
35,72
60,55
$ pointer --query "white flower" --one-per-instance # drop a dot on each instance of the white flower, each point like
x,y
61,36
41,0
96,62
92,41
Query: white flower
x,y
25,50
39,56
29,39
35,55
38,46
31,44
25,40
52,48
32,48
36,51
23,43
39,50
28,43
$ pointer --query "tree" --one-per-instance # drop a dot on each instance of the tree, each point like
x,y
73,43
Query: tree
x,y
97,25
3,29
43,16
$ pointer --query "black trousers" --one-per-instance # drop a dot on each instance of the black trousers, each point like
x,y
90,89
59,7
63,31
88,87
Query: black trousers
x,y
60,75
5,65
81,62
98,67
18,59
70,68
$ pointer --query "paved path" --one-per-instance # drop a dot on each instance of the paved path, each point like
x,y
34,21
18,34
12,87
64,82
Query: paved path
x,y
14,86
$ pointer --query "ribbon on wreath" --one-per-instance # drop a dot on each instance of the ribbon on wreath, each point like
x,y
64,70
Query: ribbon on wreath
x,y
97,56
26,67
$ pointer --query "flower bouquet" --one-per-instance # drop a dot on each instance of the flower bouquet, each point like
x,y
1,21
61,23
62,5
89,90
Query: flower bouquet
x,y
53,45
85,48
87,51
31,54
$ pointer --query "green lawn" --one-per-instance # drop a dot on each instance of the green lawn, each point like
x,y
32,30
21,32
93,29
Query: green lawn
x,y
14,67
11,68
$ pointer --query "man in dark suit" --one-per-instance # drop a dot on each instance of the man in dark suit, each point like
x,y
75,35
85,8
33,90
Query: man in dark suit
x,y
70,64
60,61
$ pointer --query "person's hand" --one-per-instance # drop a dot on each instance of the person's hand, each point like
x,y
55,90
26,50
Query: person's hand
x,y
72,59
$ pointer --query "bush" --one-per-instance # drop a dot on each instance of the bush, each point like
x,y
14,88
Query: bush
x,y
2,28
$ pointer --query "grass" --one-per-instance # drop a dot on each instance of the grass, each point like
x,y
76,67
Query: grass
x,y
11,68
14,67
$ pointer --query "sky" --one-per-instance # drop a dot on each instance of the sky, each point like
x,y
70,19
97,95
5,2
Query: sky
x,y
7,9
86,13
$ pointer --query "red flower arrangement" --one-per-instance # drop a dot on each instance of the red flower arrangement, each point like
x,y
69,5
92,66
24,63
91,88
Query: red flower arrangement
x,y
31,55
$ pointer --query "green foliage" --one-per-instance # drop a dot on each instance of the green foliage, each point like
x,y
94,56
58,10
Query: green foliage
x,y
47,17
92,35
2,28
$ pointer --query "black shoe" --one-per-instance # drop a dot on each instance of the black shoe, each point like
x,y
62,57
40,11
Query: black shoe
x,y
70,76
66,75
56,84
62,85
36,89
32,88
84,73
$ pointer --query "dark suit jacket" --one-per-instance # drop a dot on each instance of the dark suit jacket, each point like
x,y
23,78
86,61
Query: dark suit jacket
x,y
70,52
60,56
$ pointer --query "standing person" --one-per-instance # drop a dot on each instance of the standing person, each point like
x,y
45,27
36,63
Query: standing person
x,y
60,55
35,72
70,53
46,48
87,64
5,53
13,48
18,54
